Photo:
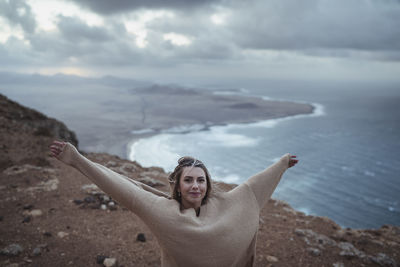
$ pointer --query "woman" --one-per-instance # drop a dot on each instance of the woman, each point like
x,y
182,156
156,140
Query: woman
x,y
194,227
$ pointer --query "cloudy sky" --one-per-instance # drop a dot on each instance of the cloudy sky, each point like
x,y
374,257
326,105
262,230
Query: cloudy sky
x,y
203,39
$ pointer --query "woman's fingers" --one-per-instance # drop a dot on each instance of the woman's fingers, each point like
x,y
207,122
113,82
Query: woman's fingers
x,y
56,148
58,142
293,160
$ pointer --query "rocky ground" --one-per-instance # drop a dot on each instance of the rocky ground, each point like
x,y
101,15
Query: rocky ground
x,y
51,215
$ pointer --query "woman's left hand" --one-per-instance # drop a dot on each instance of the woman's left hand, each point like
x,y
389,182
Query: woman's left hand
x,y
293,161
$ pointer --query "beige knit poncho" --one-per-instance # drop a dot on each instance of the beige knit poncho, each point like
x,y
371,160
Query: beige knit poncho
x,y
224,233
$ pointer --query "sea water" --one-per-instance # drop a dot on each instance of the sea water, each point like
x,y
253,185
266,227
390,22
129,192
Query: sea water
x,y
348,151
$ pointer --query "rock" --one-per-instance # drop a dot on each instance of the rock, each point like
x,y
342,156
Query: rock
x,y
36,212
128,168
90,199
290,210
349,251
48,234
377,242
110,262
272,258
40,248
314,239
383,260
95,206
90,188
36,251
27,219
299,232
103,207
151,182
314,251
12,250
141,237
28,207
33,213
111,163
62,234
105,198
78,201
13,170
338,264
100,259
44,186
13,265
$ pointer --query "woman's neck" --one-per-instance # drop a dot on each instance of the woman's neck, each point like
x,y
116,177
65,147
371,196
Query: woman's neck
x,y
185,206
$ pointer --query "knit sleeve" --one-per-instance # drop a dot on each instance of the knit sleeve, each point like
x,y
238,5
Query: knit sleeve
x,y
263,184
132,194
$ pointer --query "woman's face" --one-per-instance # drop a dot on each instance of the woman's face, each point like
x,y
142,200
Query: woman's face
x,y
192,186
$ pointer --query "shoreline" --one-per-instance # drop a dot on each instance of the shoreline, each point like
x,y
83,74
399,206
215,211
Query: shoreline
x,y
317,110
120,144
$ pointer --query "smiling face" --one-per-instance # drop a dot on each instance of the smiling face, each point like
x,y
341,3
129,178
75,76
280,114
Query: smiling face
x,y
192,186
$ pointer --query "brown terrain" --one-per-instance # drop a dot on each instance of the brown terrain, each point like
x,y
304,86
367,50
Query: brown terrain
x,y
51,215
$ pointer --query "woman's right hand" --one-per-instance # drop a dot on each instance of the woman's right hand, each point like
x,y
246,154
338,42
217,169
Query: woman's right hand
x,y
56,148
64,152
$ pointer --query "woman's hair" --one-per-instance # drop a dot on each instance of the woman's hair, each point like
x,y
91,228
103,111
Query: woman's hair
x,y
175,177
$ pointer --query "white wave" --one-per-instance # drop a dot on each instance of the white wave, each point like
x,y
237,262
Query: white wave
x,y
270,123
227,93
154,151
220,136
391,205
369,173
160,150
185,128
305,210
142,131
266,98
275,160
319,110
346,168
230,179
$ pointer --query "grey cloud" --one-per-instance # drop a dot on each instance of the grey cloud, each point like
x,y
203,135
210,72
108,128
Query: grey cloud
x,y
74,29
351,29
17,12
14,53
311,24
107,7
209,42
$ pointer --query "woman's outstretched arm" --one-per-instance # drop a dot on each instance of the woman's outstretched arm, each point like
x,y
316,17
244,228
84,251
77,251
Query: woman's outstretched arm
x,y
124,190
263,184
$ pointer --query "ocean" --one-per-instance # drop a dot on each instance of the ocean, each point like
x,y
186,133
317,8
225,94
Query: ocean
x,y
348,151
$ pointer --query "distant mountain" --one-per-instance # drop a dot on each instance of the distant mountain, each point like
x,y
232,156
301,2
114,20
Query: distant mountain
x,y
7,78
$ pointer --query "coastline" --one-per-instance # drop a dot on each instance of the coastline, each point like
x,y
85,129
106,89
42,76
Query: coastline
x,y
317,110
197,111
